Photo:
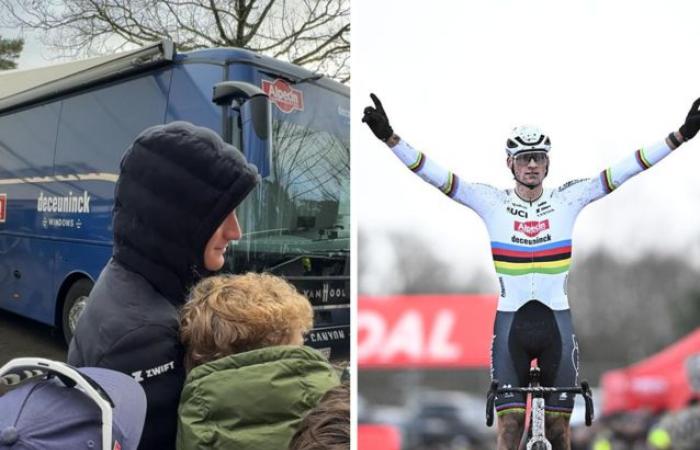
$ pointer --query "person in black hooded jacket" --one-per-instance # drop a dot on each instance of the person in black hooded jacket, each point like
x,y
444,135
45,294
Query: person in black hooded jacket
x,y
174,212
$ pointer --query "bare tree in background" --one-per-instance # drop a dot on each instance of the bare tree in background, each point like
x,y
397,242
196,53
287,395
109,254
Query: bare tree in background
x,y
311,33
410,265
9,52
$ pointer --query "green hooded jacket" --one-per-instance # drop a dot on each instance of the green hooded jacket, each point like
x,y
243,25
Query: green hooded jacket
x,y
251,400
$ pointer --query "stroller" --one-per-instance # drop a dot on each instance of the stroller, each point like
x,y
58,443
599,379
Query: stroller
x,y
52,405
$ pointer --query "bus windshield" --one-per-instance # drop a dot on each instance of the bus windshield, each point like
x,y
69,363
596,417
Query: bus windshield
x,y
297,222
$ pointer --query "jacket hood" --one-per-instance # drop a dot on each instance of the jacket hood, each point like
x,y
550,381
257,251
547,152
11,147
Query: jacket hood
x,y
176,185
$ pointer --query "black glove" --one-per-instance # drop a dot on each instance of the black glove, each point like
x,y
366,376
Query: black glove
x,y
692,122
377,120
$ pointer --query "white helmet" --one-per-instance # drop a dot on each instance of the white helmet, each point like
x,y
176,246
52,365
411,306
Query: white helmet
x,y
527,138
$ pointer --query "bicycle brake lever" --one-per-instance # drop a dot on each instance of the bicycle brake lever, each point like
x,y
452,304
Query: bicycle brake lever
x,y
490,400
588,399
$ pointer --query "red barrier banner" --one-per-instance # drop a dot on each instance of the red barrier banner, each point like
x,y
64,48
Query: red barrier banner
x,y
425,331
378,437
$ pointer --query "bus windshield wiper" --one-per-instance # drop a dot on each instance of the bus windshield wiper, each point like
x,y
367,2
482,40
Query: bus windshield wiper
x,y
314,77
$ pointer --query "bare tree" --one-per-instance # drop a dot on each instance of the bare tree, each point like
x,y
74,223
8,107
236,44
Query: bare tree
x,y
627,310
311,33
409,265
9,52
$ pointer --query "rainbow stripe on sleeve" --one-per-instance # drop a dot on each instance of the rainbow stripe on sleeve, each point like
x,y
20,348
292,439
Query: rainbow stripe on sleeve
x,y
418,163
642,159
517,260
607,181
450,187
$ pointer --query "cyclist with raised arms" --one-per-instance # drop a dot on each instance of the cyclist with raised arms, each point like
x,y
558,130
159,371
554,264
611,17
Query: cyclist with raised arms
x,y
530,228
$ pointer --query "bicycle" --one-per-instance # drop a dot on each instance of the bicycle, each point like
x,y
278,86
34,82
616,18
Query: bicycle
x,y
538,440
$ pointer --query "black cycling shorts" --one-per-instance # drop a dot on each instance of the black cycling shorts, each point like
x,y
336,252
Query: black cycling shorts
x,y
534,331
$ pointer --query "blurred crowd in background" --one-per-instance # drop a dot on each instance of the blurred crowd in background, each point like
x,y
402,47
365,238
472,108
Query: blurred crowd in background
x,y
453,420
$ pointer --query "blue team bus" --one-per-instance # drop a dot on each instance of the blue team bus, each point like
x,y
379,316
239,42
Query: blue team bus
x,y
63,130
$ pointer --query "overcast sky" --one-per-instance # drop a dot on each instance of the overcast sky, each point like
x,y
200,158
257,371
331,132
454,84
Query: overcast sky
x,y
34,54
601,78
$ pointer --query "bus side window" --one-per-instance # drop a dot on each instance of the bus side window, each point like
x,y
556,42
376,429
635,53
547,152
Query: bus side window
x,y
98,125
27,140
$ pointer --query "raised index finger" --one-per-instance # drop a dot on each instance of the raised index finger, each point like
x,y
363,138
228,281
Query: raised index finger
x,y
696,107
377,104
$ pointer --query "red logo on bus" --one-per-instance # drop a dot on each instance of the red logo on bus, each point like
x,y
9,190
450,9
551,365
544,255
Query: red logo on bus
x,y
3,207
532,228
283,95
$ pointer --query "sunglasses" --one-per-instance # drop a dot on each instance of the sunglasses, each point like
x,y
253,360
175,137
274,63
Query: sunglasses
x,y
523,159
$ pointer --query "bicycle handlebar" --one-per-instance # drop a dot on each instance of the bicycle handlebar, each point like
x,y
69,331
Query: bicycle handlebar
x,y
540,390
584,390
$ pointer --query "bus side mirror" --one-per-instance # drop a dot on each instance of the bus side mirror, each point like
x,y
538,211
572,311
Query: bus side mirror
x,y
255,120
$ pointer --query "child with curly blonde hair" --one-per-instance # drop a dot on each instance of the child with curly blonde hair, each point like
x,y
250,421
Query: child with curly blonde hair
x,y
250,379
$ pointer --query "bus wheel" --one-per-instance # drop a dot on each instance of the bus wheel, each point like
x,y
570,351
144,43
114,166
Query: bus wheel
x,y
73,306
